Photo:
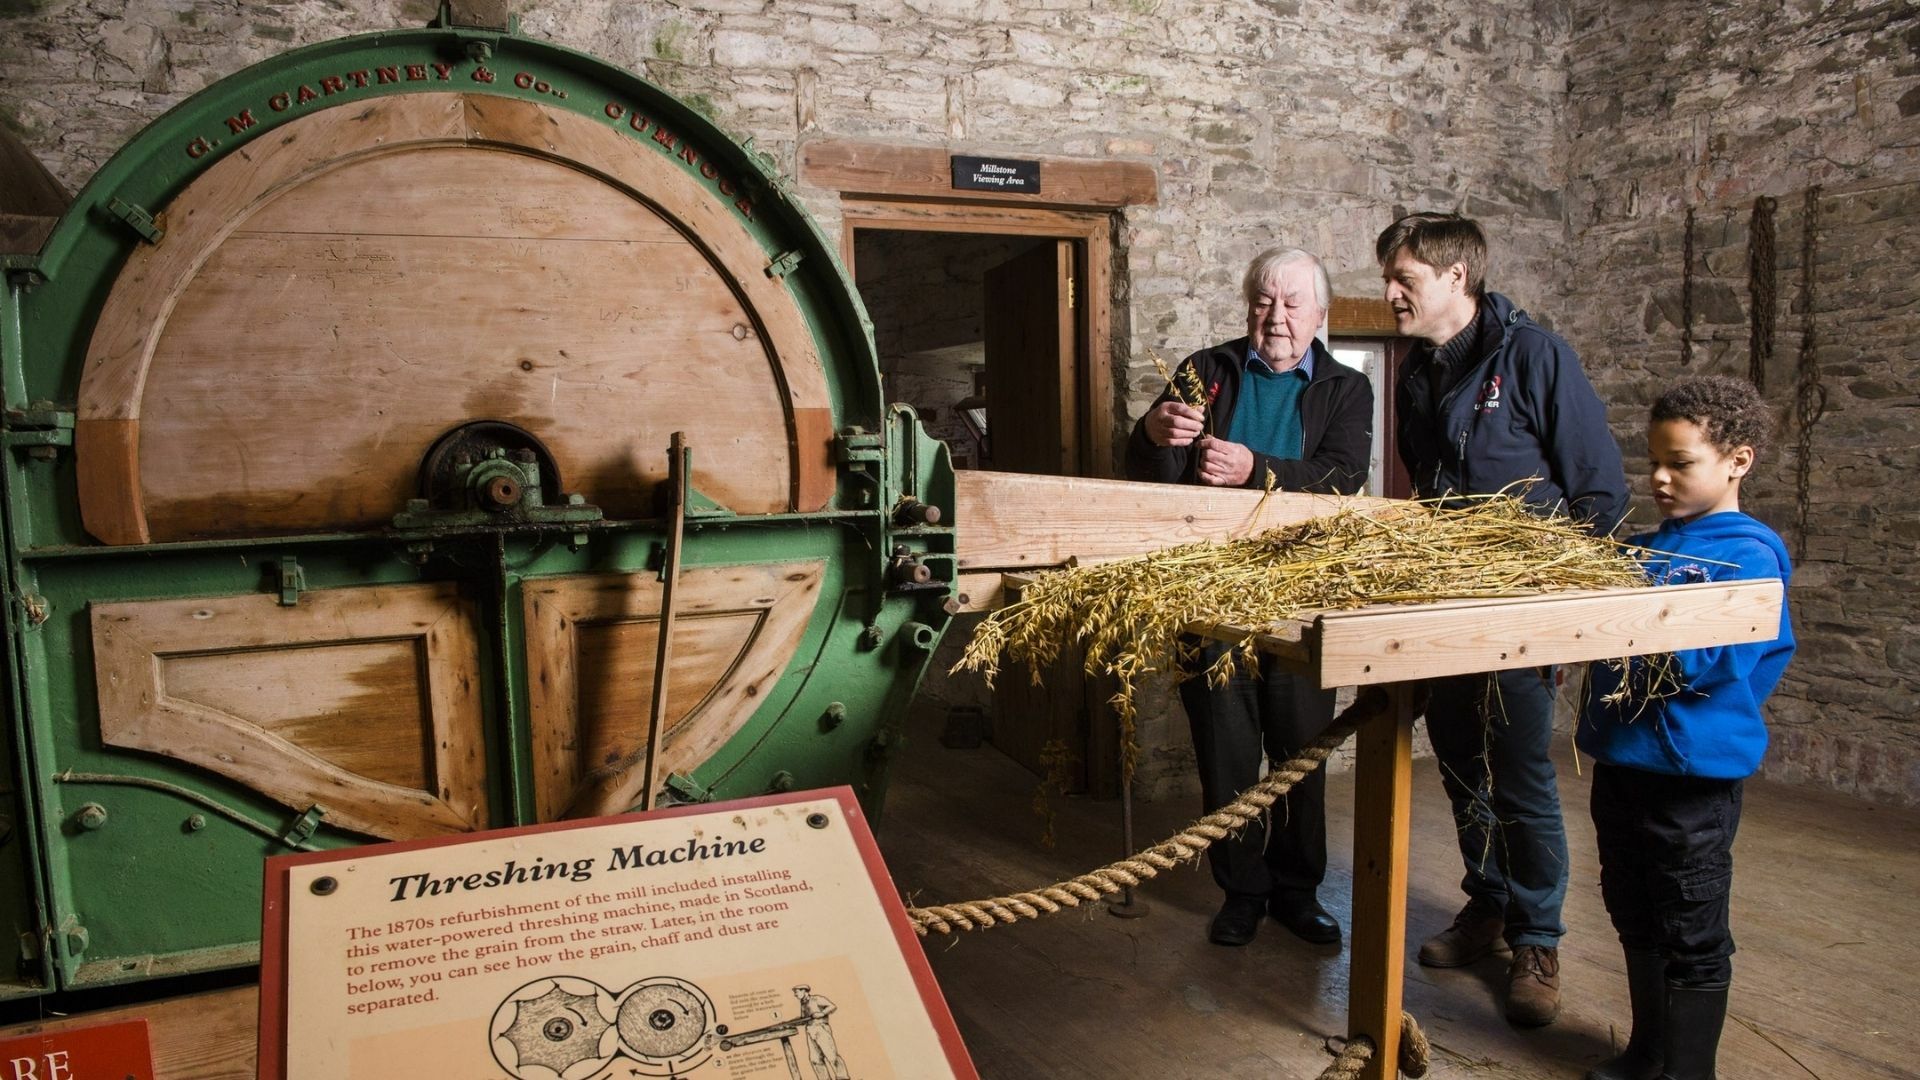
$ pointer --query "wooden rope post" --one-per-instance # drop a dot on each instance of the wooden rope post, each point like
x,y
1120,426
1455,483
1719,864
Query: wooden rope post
x,y
1383,804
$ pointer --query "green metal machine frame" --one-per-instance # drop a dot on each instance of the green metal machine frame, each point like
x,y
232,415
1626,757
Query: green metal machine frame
x,y
118,866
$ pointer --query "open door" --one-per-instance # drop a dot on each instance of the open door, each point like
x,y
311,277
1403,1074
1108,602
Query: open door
x,y
1033,362
1062,727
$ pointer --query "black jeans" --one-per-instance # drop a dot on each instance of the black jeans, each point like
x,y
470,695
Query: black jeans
x,y
1273,714
1666,866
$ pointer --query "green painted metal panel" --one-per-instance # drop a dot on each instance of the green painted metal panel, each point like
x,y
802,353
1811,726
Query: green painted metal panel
x,y
123,865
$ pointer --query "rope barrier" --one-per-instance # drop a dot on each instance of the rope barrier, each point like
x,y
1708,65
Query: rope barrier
x,y
1415,1053
1182,847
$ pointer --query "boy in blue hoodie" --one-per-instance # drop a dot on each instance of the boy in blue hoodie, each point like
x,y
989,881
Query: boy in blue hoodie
x,y
1668,773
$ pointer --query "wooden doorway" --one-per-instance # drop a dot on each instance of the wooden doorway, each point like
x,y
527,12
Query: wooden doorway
x,y
1011,330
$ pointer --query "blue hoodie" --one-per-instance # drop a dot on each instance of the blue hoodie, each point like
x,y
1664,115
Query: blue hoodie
x,y
1712,728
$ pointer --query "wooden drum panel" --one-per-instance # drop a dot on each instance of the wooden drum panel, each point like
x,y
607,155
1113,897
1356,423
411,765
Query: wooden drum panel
x,y
329,303
590,661
365,701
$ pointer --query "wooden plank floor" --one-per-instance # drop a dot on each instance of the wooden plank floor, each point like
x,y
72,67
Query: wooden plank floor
x,y
1827,980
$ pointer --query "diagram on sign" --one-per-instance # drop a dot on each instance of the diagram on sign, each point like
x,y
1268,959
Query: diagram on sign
x,y
568,1028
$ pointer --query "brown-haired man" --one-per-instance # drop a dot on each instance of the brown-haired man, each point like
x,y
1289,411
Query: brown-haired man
x,y
1490,401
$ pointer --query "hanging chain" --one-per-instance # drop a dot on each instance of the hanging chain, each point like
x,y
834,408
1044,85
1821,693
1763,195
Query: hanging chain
x,y
1811,397
1686,294
1760,290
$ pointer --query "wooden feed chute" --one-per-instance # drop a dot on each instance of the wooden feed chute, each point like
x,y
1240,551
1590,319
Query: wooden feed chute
x,y
337,412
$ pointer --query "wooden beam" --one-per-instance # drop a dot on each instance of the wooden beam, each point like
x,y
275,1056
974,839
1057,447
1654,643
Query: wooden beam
x,y
864,168
1382,823
1013,521
1419,641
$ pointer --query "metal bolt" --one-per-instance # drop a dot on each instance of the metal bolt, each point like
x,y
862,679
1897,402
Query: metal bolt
x,y
782,781
196,822
76,939
323,886
92,816
835,715
872,636
817,820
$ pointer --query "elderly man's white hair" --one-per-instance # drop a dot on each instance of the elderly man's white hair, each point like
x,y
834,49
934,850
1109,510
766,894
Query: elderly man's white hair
x,y
1265,264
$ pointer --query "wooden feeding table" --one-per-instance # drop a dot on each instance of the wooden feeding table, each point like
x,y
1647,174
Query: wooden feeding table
x,y
1013,526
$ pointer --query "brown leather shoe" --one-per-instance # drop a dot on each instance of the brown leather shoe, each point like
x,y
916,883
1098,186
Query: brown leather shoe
x,y
1474,933
1533,985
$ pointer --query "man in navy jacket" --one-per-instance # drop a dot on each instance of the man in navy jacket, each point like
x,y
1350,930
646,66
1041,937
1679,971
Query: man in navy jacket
x,y
1490,401
1272,408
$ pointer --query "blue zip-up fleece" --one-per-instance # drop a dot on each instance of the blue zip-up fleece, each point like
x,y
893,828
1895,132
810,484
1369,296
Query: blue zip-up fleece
x,y
1522,408
1712,728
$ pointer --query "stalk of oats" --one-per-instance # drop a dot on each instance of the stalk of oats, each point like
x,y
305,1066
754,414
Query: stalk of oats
x,y
1131,616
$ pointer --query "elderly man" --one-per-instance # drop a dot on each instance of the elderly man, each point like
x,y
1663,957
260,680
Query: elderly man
x,y
1490,401
1272,408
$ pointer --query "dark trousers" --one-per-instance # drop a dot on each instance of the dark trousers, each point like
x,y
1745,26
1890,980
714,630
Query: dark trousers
x,y
1491,734
1666,866
1273,714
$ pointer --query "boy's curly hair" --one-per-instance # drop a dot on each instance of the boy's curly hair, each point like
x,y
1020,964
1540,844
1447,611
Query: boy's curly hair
x,y
1729,411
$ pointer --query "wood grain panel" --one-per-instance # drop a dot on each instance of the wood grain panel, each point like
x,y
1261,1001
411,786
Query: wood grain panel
x,y
1009,521
318,695
106,454
1391,644
298,744
473,192
318,415
555,268
927,172
590,663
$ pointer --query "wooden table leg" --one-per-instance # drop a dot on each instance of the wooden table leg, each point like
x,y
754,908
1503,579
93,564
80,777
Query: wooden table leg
x,y
1383,792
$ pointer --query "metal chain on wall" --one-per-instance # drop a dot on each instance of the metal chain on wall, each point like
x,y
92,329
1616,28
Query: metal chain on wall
x,y
1764,306
1810,398
1686,294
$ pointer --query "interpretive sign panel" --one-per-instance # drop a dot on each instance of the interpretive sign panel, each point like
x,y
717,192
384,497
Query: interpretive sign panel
x,y
760,938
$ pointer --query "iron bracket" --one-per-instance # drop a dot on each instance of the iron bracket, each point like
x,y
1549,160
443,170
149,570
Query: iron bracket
x,y
686,789
304,826
137,218
292,580
783,264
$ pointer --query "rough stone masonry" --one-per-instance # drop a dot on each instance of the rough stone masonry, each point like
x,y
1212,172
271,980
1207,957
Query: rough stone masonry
x,y
1579,133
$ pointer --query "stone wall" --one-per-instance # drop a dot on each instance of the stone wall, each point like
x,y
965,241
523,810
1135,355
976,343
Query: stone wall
x,y
1708,107
1579,140
1266,121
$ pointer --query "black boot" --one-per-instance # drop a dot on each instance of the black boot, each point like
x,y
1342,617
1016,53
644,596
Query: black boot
x,y
1647,989
1694,1017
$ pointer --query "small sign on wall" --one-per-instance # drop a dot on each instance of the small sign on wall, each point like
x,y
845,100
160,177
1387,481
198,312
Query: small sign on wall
x,y
748,940
995,174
